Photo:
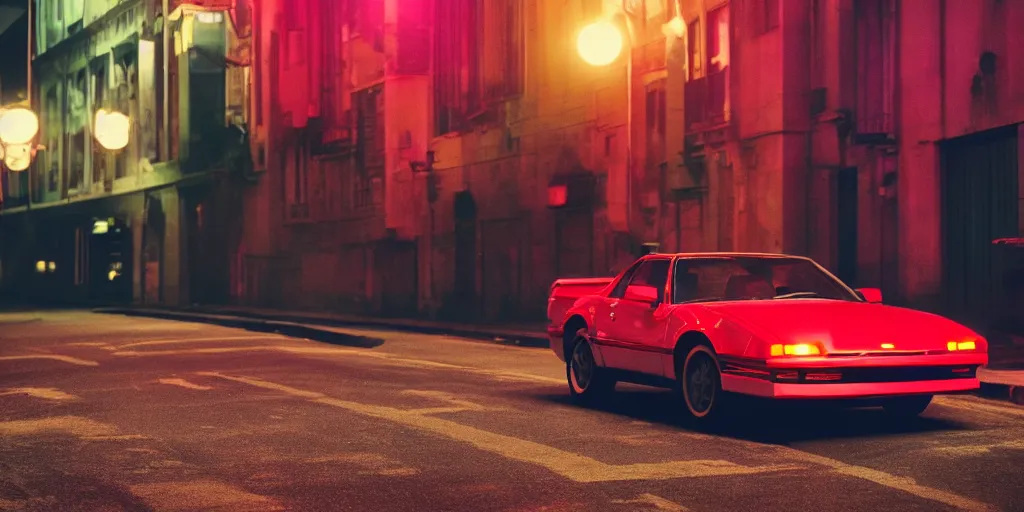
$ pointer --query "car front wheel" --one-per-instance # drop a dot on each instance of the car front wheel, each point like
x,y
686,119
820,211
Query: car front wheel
x,y
587,380
907,406
701,384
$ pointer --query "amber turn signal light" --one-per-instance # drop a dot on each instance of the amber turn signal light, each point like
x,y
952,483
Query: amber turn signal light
x,y
798,349
956,346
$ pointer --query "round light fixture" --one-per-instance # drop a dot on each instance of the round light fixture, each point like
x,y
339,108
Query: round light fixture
x,y
18,156
112,129
18,126
599,43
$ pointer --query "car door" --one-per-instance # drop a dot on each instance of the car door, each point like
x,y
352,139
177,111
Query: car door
x,y
636,328
604,321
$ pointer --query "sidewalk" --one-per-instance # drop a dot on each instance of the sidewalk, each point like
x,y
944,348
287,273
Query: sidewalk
x,y
1003,378
526,334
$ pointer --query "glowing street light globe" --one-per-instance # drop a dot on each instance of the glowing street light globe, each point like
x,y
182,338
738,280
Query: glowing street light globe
x,y
18,126
599,43
18,156
112,129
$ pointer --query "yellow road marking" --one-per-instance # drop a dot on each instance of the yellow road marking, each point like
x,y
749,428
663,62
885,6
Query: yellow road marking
x,y
902,483
201,495
456,405
64,359
73,425
178,341
184,383
656,502
46,393
976,450
569,465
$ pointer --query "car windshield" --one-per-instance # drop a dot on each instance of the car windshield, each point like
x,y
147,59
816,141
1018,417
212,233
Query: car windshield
x,y
754,278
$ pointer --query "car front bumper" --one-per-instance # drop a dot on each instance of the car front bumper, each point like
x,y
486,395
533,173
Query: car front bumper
x,y
763,388
857,378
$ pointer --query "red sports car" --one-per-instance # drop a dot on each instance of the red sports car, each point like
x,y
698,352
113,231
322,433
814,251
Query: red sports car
x,y
716,324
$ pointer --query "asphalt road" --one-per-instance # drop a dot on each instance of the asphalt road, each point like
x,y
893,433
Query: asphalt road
x,y
106,413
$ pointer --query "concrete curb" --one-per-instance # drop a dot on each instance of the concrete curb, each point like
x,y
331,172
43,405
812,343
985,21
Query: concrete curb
x,y
297,330
1002,384
266,323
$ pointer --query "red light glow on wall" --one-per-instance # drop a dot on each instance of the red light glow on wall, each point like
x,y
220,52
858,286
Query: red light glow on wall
x,y
558,195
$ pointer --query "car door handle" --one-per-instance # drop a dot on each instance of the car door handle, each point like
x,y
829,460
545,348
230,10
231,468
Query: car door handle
x,y
613,304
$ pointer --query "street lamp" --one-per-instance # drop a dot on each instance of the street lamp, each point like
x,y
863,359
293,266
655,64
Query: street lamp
x,y
112,129
18,128
599,43
18,157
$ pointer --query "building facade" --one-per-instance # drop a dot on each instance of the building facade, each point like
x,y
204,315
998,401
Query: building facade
x,y
453,158
135,225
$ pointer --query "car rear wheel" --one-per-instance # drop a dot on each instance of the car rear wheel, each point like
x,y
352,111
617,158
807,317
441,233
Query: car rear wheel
x,y
587,380
701,383
907,406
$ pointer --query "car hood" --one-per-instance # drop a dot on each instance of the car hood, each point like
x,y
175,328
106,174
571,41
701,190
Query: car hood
x,y
843,325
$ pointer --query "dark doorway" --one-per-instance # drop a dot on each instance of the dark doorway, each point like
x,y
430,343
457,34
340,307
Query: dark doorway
x,y
110,264
465,256
846,225
395,266
153,251
502,253
574,232
979,204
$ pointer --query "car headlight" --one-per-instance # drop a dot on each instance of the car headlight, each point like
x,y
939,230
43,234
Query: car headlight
x,y
797,350
961,346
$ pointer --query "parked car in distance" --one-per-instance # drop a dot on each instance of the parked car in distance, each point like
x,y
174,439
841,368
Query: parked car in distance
x,y
716,325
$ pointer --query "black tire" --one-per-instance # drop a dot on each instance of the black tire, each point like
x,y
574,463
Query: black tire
x,y
907,406
700,383
587,381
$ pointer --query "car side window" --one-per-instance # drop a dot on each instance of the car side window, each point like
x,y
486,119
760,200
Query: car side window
x,y
651,273
620,288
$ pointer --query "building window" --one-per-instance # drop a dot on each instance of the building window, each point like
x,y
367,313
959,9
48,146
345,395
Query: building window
x,y
53,126
501,54
336,96
718,64
718,40
766,16
876,67
77,115
296,186
99,100
370,128
655,129
696,62
456,69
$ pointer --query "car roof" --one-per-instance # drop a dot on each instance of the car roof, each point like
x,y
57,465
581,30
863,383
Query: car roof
x,y
696,255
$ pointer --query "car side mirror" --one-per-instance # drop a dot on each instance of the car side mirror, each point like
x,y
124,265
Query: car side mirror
x,y
872,295
641,293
